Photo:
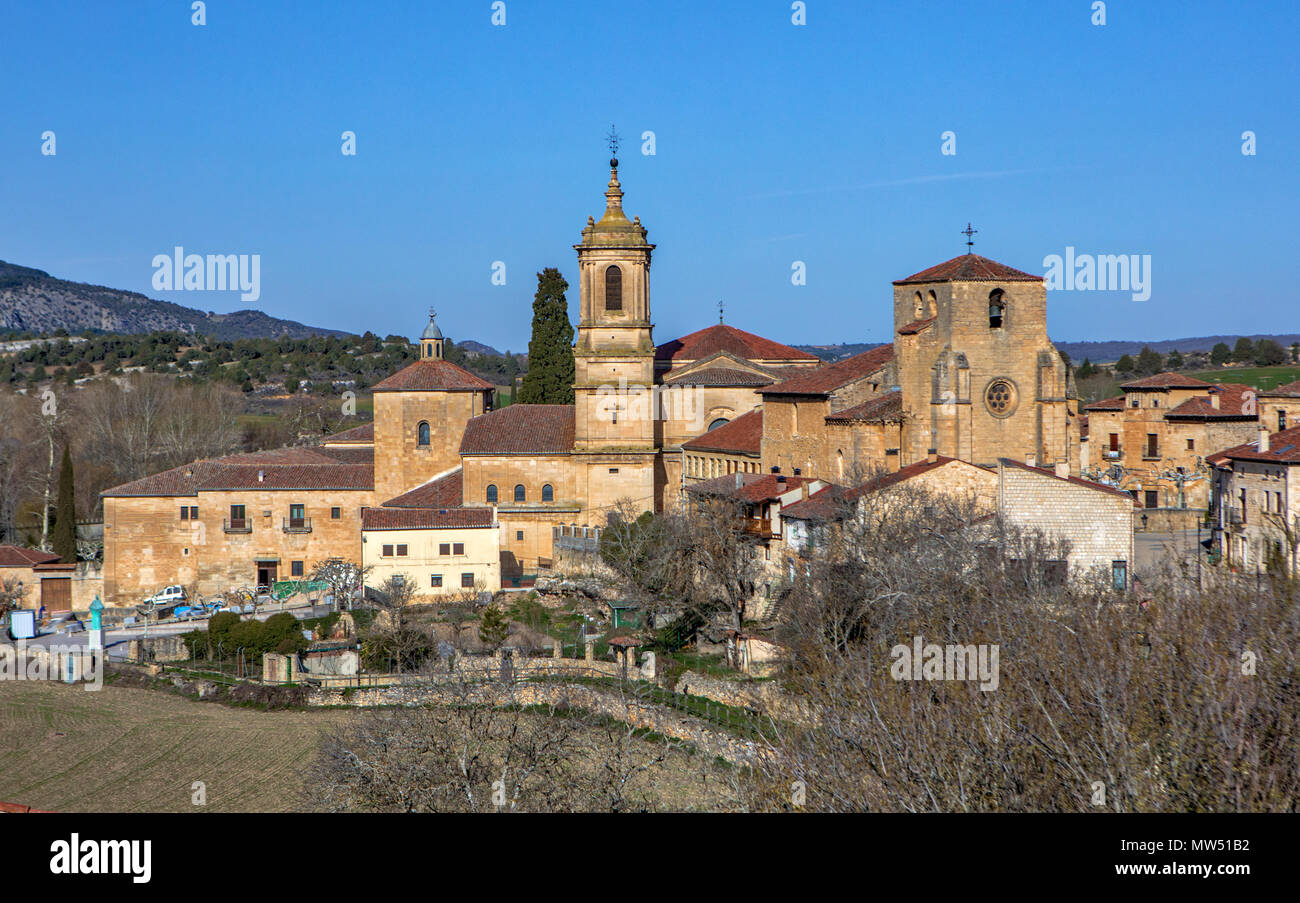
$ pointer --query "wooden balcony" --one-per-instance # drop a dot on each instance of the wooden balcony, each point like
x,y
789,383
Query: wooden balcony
x,y
237,525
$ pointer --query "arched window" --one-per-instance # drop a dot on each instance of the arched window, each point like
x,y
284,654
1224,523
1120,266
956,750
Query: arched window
x,y
424,432
548,493
520,494
919,312
839,463
717,423
932,304
492,493
997,309
613,288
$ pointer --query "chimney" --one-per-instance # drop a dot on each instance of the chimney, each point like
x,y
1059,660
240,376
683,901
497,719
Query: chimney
x,y
780,479
804,489
797,471
1031,459
739,482
1063,469
1215,400
775,469
932,455
1263,439
261,476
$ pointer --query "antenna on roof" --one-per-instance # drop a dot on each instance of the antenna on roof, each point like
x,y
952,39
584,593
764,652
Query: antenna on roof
x,y
968,232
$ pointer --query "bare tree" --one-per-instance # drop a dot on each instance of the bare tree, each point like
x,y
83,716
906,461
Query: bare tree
x,y
344,578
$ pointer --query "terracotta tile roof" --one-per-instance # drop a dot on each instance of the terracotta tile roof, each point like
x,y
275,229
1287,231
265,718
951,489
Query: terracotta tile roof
x,y
350,454
1166,381
1232,405
282,468
916,326
432,376
1292,389
1088,484
742,436
441,492
970,268
884,408
424,518
825,380
749,487
827,503
1283,448
20,557
363,433
720,337
520,429
719,376
1106,404
901,475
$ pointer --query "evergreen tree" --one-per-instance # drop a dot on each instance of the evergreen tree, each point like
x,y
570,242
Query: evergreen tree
x,y
1244,350
549,379
1175,361
1124,365
1086,369
1269,353
65,513
1220,354
1295,352
1148,361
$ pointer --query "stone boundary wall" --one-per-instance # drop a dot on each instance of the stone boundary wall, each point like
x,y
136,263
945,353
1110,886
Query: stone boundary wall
x,y
1168,520
629,711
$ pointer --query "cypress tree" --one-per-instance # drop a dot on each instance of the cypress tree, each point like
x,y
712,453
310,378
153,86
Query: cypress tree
x,y
549,379
65,513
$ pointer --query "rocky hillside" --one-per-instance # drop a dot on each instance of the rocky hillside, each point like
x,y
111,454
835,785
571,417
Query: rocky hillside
x,y
33,300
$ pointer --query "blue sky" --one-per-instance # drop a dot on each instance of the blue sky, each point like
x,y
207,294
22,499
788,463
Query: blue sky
x,y
774,143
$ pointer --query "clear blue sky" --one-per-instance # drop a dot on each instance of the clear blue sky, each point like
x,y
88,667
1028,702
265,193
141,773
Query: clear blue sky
x,y
775,143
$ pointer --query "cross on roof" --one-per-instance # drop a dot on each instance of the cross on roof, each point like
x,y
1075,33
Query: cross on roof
x,y
968,232
432,312
721,305
614,142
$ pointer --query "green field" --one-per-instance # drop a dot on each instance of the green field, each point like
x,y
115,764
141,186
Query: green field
x,y
1263,378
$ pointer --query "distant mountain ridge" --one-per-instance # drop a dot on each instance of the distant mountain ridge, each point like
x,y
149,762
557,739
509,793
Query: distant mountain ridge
x,y
1097,352
33,300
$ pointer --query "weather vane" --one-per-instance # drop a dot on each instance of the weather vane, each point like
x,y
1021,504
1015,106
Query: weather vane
x,y
968,232
432,312
613,143
721,306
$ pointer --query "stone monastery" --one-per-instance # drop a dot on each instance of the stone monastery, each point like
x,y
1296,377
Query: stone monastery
x,y
460,496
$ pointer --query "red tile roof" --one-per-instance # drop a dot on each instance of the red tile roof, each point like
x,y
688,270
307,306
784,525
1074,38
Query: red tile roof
x,y
719,376
20,557
883,408
1106,404
742,436
1292,389
521,429
916,326
1167,381
279,468
440,492
424,518
363,433
749,487
900,475
827,503
720,337
432,376
1283,448
970,268
1236,402
825,380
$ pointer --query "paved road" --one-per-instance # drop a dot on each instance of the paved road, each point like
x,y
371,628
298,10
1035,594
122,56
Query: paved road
x,y
122,635
1156,552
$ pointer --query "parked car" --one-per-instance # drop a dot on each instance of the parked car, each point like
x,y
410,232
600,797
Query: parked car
x,y
168,595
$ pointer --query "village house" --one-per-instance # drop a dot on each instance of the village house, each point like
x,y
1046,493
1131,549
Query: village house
x,y
1153,440
1257,502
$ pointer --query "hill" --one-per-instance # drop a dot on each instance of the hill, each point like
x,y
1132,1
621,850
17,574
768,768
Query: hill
x,y
1097,352
32,300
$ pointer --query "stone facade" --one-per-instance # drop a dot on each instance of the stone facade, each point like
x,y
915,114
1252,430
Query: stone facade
x,y
1257,503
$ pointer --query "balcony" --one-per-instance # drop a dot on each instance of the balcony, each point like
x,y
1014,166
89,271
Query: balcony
x,y
1114,454
237,525
761,527
297,525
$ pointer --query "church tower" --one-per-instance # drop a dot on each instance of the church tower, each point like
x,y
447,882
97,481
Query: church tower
x,y
431,341
614,422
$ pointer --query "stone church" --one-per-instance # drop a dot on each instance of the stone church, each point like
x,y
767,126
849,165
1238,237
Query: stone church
x,y
970,374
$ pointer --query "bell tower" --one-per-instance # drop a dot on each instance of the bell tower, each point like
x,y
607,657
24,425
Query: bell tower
x,y
615,427
431,341
614,351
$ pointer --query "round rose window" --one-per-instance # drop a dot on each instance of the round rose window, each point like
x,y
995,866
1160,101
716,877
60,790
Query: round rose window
x,y
1000,397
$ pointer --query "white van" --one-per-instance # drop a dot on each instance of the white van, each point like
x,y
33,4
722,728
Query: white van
x,y
168,595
